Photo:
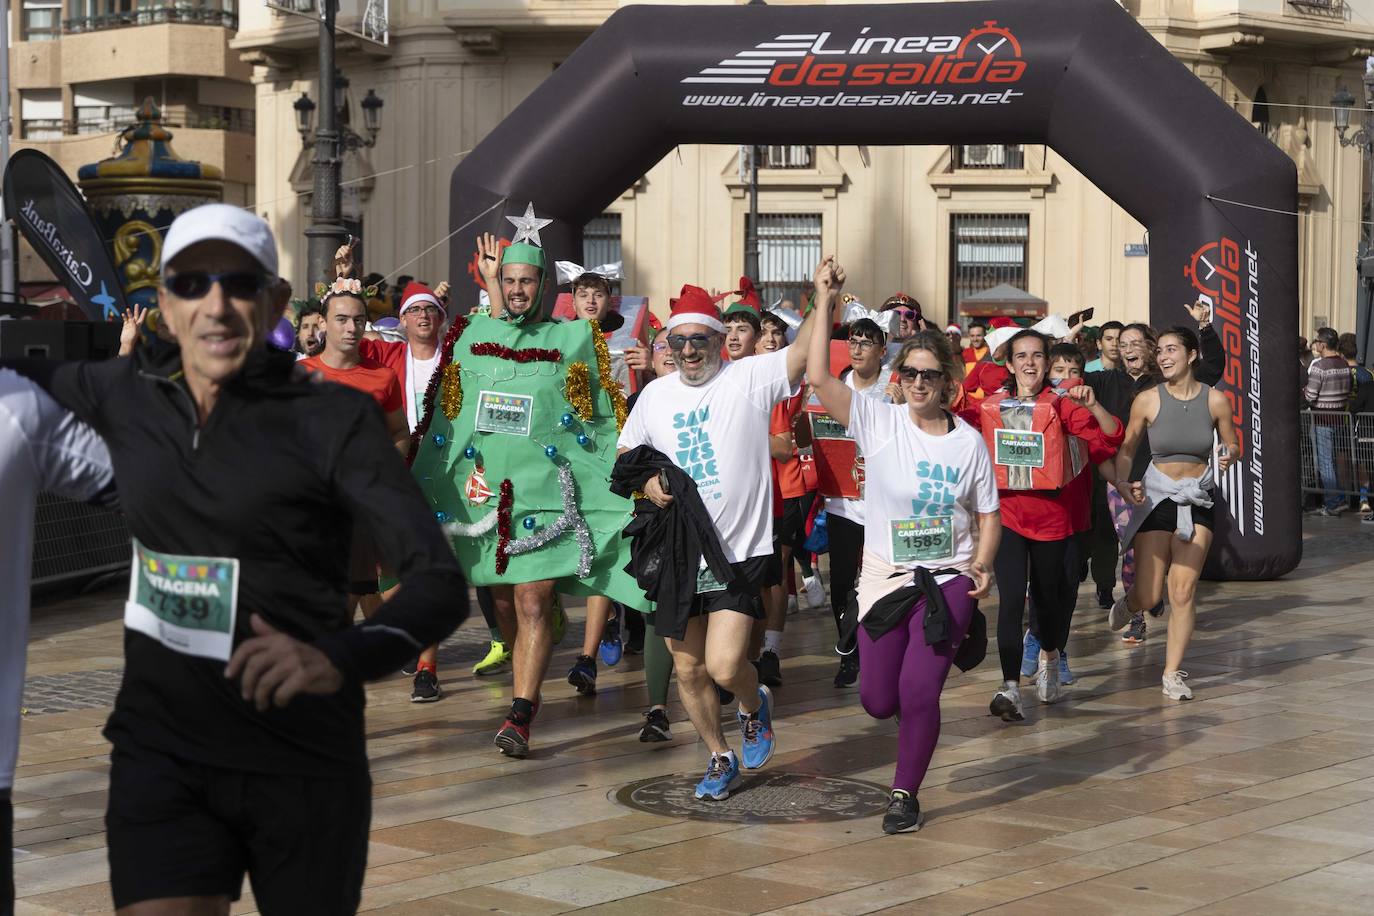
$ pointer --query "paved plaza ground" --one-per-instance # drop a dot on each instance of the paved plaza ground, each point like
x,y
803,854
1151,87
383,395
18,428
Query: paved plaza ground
x,y
1255,798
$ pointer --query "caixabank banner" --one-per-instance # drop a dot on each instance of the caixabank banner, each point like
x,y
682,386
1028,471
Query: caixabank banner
x,y
1079,75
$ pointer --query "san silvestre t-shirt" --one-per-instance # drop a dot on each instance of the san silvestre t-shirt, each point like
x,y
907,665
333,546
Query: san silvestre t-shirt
x,y
924,491
718,434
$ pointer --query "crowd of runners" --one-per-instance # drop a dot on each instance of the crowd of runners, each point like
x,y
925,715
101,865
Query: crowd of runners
x,y
308,513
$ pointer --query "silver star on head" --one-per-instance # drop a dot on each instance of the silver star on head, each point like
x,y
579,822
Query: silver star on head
x,y
527,227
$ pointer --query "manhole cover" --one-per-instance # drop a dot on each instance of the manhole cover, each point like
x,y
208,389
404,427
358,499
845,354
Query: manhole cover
x,y
772,798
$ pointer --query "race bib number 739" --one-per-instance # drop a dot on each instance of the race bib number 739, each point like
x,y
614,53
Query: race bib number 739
x,y
188,604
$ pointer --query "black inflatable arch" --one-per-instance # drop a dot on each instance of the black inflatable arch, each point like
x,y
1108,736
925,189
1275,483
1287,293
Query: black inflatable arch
x,y
1079,75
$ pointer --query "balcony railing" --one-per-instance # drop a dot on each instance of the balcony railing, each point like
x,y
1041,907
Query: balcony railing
x,y
232,120
151,16
1327,9
989,156
789,157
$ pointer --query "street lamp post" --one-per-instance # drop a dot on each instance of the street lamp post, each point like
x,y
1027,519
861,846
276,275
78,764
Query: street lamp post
x,y
325,233
1341,105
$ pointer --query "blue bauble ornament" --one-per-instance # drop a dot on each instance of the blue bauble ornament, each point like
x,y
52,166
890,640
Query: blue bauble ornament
x,y
551,450
528,523
440,440
442,516
469,453
566,419
583,438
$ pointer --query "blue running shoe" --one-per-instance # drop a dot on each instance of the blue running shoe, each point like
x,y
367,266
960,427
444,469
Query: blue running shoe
x,y
612,649
721,773
1030,655
758,732
1065,675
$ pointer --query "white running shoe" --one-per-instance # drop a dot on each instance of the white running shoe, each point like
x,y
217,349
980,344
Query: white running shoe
x,y
815,591
1006,704
1047,682
1120,614
1174,688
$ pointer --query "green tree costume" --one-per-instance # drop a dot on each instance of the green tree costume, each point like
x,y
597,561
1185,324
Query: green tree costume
x,y
515,450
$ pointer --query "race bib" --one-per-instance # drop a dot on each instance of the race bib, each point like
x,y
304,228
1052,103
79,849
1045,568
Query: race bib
x,y
188,604
1019,448
504,413
824,426
707,581
922,540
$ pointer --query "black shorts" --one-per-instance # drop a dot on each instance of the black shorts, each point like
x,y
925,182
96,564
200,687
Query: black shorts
x,y
1165,518
181,829
789,529
362,563
741,593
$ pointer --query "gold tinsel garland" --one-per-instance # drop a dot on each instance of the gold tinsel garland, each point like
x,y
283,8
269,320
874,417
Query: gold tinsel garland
x,y
452,392
577,389
608,382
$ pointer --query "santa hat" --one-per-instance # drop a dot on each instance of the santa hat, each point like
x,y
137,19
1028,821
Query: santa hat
x,y
748,298
953,328
695,306
418,295
1002,321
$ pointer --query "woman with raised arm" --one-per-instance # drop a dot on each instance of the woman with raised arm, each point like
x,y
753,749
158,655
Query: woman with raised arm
x,y
1172,525
931,528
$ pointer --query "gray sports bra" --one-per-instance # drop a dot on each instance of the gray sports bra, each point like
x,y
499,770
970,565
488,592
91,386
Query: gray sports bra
x,y
1182,430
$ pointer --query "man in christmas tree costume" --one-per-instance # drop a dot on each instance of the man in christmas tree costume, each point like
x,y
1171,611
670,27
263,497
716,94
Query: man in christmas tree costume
x,y
514,452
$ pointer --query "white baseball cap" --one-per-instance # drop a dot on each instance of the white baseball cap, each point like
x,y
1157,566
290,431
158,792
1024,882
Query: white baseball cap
x,y
225,223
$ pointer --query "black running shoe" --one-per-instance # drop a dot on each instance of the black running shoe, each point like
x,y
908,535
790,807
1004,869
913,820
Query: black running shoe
x,y
410,667
583,675
656,727
903,813
1104,598
513,739
849,671
426,689
770,669
1158,609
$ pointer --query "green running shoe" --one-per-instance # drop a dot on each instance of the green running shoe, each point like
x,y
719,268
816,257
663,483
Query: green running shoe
x,y
496,662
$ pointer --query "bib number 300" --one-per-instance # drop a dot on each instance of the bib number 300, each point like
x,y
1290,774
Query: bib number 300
x,y
922,540
189,604
1020,448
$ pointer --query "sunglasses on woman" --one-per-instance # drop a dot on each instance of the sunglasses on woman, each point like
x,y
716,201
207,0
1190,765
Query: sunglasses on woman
x,y
911,374
194,284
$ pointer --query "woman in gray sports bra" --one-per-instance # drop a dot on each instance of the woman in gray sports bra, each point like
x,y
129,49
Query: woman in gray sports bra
x,y
1172,524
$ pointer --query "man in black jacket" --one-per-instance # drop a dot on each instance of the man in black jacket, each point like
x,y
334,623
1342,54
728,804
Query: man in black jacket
x,y
238,732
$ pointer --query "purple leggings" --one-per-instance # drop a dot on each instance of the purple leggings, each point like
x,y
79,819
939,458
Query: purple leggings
x,y
1121,517
903,675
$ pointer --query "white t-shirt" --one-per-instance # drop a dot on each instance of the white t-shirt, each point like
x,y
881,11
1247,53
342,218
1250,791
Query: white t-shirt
x,y
923,491
853,509
42,447
718,434
419,372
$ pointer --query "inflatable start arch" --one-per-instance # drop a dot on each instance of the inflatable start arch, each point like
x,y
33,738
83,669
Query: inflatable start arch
x,y
1079,75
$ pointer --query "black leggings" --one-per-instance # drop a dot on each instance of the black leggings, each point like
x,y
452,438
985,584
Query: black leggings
x,y
1074,550
488,606
1018,557
846,547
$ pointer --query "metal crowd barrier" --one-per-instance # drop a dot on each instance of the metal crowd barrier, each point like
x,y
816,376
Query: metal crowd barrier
x,y
74,541
1351,447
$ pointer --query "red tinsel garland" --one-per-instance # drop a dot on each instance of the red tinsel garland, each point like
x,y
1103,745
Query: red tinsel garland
x,y
455,331
529,355
503,526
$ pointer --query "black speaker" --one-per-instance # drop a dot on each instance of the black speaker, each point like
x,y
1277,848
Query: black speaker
x,y
23,338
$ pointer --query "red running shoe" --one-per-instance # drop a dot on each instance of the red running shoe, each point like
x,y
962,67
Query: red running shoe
x,y
514,740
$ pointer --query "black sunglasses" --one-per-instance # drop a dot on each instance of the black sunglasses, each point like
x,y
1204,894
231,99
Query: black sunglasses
x,y
698,341
239,284
911,374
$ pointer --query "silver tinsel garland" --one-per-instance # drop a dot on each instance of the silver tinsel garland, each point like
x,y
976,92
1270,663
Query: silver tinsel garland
x,y
571,518
476,529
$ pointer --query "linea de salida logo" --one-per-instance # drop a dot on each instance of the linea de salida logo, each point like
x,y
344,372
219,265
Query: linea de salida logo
x,y
988,56
1225,276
